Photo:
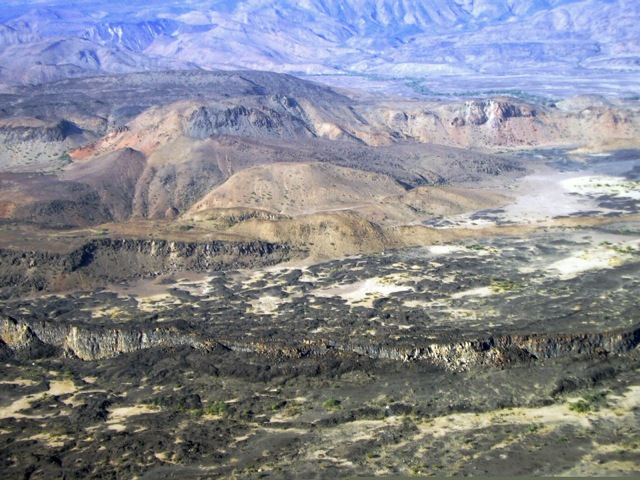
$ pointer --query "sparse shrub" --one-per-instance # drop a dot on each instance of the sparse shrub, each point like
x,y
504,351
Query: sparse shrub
x,y
217,408
505,285
332,404
581,406
65,159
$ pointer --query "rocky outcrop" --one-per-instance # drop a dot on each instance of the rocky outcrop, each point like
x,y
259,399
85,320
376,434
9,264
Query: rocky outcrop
x,y
12,36
282,118
198,125
108,259
89,342
134,36
57,132
232,216
479,112
461,354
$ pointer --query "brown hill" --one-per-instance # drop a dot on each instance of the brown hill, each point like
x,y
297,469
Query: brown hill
x,y
299,188
424,203
114,176
157,146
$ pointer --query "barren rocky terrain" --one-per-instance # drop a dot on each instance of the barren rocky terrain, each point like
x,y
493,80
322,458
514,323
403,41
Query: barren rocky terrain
x,y
440,48
247,275
515,355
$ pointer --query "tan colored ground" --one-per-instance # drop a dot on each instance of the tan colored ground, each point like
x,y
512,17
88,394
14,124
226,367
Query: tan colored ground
x,y
539,421
297,188
56,387
365,292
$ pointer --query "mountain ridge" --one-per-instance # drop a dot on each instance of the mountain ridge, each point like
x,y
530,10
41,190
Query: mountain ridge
x,y
391,40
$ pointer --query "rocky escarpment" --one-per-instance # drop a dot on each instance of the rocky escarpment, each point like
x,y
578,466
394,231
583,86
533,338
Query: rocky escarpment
x,y
108,259
57,132
278,118
89,342
479,112
46,338
458,354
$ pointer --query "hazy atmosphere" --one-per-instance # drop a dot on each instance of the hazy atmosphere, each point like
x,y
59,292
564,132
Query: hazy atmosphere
x,y
319,239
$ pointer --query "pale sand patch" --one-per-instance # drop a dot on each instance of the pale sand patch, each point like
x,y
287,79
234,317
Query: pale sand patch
x,y
23,382
118,427
20,404
552,415
444,249
307,278
475,292
362,427
318,455
417,304
119,415
56,387
61,387
152,302
463,313
449,278
363,291
279,418
542,196
598,258
629,400
50,440
123,413
350,432
73,401
267,305
113,313
242,438
277,431
164,457
603,185
539,197
612,468
548,416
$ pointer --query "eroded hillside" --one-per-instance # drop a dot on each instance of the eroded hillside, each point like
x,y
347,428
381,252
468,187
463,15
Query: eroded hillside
x,y
158,145
244,274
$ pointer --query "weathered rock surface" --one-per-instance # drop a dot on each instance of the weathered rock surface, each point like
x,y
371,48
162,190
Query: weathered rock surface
x,y
93,343
108,259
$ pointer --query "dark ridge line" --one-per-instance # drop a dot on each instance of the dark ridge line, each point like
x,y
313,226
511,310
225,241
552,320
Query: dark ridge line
x,y
90,344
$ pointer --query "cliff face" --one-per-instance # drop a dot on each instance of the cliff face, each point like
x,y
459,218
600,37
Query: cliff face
x,y
93,343
479,112
108,259
461,354
88,344
278,118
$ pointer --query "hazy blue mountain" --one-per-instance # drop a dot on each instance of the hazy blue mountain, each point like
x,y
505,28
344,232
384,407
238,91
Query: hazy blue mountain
x,y
417,40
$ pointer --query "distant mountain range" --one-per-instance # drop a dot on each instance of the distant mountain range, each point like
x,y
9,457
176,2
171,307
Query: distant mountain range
x,y
428,45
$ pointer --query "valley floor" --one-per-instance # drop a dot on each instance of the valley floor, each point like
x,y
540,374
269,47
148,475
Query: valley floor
x,y
503,342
